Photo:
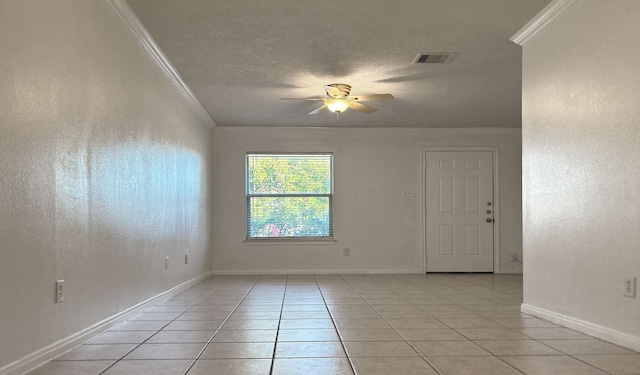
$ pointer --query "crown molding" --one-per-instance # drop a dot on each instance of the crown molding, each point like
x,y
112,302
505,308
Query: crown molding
x,y
399,131
126,14
542,19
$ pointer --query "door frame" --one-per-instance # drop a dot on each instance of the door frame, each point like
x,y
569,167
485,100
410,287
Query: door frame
x,y
496,199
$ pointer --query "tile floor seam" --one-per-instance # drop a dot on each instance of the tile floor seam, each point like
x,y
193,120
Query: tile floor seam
x,y
413,346
139,345
197,357
335,327
275,343
435,309
148,338
508,364
419,353
466,282
206,345
604,372
434,367
574,356
394,328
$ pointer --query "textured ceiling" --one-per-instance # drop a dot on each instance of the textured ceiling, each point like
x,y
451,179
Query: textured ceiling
x,y
241,57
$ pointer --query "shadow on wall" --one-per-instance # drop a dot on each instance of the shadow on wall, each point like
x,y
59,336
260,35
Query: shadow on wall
x,y
136,190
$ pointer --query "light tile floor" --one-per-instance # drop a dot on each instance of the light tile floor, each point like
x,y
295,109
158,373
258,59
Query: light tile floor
x,y
444,324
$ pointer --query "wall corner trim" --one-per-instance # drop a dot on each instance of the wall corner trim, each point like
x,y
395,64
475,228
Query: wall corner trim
x,y
616,337
126,14
41,356
542,19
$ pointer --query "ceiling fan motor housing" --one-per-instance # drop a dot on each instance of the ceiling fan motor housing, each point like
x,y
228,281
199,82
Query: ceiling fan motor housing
x,y
344,89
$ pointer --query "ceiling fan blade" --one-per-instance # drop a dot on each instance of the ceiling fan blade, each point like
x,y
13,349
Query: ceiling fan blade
x,y
362,108
318,110
314,99
333,92
373,97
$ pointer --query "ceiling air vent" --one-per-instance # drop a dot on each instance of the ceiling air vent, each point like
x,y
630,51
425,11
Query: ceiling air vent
x,y
434,58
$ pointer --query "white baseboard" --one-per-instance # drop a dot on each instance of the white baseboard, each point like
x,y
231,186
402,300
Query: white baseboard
x,y
607,334
41,356
356,271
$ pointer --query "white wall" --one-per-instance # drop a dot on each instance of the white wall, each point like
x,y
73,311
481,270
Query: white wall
x,y
372,168
581,151
103,173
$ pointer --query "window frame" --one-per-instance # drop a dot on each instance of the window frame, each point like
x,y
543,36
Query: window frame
x,y
290,239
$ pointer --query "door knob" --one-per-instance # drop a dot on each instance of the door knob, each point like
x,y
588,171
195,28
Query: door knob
x,y
489,220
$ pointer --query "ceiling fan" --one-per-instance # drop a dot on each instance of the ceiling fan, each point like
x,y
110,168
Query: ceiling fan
x,y
339,99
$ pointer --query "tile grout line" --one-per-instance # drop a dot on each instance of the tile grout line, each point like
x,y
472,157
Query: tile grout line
x,y
397,331
389,298
386,320
457,287
275,343
206,345
158,330
563,354
461,334
335,327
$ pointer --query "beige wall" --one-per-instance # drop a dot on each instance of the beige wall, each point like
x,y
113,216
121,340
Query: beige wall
x,y
103,173
372,218
581,151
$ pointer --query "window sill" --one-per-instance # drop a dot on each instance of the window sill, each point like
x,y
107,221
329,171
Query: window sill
x,y
289,241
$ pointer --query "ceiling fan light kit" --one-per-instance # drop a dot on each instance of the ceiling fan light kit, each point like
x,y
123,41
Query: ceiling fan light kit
x,y
337,105
339,100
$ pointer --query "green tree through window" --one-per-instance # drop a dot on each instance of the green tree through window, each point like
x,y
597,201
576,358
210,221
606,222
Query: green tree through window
x,y
289,195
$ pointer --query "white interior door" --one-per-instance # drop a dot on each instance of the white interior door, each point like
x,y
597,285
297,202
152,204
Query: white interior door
x,y
459,211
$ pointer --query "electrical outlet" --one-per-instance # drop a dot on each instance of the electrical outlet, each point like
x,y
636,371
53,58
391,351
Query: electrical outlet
x,y
186,258
630,287
166,263
346,252
59,291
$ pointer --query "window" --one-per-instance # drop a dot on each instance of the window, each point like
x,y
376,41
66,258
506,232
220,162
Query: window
x,y
289,195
